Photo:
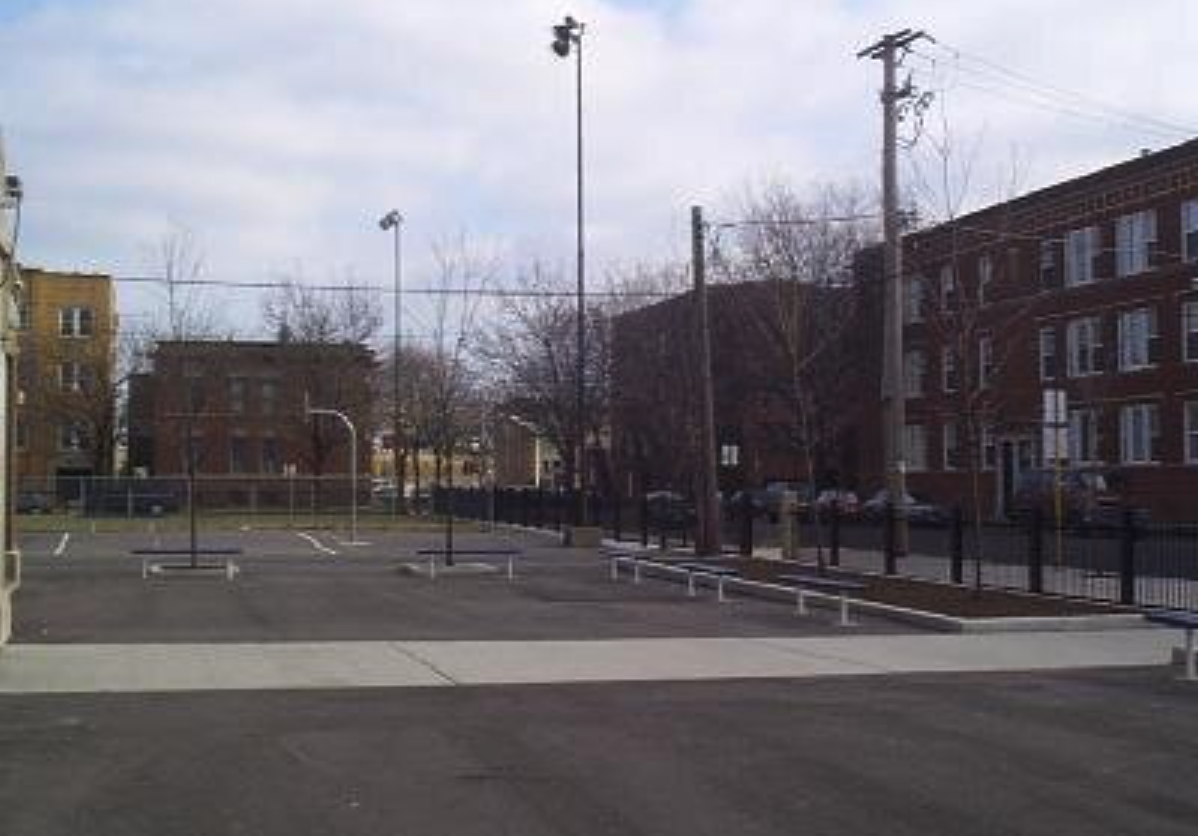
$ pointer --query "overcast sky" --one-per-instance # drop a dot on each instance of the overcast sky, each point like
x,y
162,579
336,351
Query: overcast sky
x,y
278,131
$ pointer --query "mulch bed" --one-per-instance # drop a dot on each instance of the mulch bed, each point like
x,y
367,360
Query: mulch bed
x,y
944,599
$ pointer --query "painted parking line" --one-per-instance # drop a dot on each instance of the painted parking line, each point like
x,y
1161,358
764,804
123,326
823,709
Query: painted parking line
x,y
61,548
316,544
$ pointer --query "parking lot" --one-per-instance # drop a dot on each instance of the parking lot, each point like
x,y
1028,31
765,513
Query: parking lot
x,y
863,751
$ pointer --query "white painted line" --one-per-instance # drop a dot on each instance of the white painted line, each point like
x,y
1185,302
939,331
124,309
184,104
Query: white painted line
x,y
62,544
316,544
345,542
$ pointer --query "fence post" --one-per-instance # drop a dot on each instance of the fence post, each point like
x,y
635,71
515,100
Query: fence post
x,y
1035,553
616,521
957,546
644,522
1127,559
889,556
540,507
746,526
834,533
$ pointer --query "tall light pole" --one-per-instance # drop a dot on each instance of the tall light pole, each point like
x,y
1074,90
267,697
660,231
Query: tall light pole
x,y
393,220
567,38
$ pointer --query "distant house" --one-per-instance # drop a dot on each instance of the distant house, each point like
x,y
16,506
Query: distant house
x,y
523,456
237,409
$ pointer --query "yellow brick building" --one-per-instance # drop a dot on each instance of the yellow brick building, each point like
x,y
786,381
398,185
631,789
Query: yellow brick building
x,y
67,379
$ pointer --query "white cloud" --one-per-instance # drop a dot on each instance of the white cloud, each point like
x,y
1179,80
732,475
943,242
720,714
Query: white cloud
x,y
280,129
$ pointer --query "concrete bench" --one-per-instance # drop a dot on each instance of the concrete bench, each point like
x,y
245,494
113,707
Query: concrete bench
x,y
842,589
226,565
1187,621
510,555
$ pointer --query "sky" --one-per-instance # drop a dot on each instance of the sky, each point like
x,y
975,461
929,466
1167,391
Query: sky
x,y
279,131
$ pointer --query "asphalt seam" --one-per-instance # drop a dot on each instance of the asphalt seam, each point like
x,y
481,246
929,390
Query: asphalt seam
x,y
411,654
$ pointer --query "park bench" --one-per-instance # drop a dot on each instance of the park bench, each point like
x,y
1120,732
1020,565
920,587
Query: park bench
x,y
224,563
1187,621
510,555
719,573
841,588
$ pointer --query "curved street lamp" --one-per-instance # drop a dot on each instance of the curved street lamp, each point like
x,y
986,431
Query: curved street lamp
x,y
567,39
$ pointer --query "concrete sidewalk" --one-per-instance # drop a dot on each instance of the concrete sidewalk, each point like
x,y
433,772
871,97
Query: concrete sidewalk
x,y
145,668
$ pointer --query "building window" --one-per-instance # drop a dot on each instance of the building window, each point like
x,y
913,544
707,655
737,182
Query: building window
x,y
1139,433
239,454
1083,436
76,322
729,455
1189,230
1048,353
914,367
73,377
1138,343
985,361
22,441
1048,264
193,452
951,450
948,288
989,449
268,397
1189,331
1084,344
985,279
1081,246
271,462
948,370
1192,432
916,444
1134,237
24,315
237,387
72,437
913,300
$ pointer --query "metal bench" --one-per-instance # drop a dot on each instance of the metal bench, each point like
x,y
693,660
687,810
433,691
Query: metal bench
x,y
720,573
433,554
226,565
1187,621
804,584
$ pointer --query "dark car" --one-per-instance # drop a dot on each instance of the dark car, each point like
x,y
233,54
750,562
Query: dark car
x,y
138,497
767,501
34,502
1088,496
915,508
669,509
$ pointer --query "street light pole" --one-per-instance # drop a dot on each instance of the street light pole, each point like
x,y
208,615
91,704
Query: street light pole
x,y
353,466
567,39
393,220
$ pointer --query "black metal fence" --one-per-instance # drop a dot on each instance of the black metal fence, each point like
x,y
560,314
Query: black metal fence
x,y
1131,563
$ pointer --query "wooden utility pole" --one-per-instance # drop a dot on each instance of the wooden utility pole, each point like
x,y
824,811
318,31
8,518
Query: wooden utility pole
x,y
707,537
894,408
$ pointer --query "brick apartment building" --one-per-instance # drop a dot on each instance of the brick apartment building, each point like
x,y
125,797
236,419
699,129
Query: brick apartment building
x,y
239,408
655,390
1086,287
66,418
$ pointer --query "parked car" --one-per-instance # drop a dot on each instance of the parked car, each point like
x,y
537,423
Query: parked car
x,y
140,497
669,509
34,502
767,501
1089,496
846,502
915,508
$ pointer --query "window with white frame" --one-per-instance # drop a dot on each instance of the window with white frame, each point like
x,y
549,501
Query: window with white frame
x,y
1135,236
1191,432
948,370
1047,265
1083,338
76,322
1081,247
916,446
913,300
72,437
948,288
237,395
1189,331
729,455
71,377
985,279
985,361
950,446
1083,436
1139,433
1048,353
914,369
1189,230
1137,339
989,449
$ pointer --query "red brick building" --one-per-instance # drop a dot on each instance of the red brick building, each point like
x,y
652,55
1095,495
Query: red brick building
x,y
1086,287
239,408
